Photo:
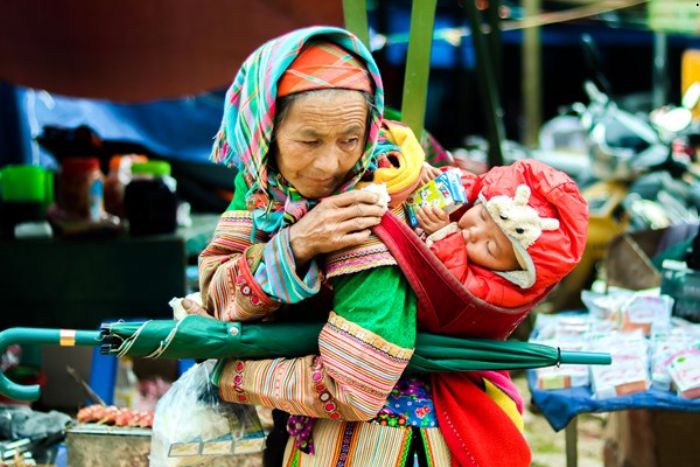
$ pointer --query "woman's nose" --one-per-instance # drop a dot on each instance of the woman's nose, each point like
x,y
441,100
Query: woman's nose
x,y
327,161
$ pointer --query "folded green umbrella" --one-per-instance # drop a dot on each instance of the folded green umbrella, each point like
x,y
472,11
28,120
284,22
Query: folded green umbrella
x,y
201,337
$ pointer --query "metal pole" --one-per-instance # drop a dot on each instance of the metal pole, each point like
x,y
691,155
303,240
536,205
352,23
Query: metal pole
x,y
487,83
660,72
532,77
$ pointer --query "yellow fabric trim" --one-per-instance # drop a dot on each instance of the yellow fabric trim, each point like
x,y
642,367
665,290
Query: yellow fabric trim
x,y
410,158
505,403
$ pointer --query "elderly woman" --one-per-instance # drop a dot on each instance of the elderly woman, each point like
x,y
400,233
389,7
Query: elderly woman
x,y
303,121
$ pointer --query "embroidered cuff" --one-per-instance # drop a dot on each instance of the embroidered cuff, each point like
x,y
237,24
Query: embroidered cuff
x,y
277,274
367,365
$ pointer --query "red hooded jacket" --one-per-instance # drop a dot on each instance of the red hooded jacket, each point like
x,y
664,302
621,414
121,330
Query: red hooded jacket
x,y
554,254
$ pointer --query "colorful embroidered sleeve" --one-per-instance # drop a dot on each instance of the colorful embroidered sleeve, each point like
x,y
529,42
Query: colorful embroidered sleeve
x,y
363,350
228,288
277,272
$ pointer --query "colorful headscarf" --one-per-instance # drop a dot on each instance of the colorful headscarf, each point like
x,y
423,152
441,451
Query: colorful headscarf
x,y
324,66
246,131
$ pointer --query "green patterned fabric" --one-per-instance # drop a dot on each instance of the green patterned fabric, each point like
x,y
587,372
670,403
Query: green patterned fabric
x,y
379,299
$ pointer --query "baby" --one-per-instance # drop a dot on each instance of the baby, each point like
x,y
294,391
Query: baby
x,y
524,229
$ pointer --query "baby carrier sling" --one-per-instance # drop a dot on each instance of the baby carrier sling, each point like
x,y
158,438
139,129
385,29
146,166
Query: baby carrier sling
x,y
445,306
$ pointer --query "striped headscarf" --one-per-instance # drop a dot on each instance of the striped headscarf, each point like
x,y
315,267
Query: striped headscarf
x,y
324,66
246,131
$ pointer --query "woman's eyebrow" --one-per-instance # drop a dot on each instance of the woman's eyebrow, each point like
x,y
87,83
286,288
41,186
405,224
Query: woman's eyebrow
x,y
309,133
354,128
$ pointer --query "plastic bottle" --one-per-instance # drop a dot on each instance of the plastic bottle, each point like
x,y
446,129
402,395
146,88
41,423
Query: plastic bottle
x,y
116,181
80,188
25,193
150,200
126,387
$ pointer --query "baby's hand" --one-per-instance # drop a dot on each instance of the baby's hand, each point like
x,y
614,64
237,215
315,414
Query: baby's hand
x,y
431,219
427,173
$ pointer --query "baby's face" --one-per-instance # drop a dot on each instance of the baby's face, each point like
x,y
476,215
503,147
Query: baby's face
x,y
487,245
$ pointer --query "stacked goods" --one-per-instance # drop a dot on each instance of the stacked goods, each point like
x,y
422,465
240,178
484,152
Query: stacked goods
x,y
650,348
629,371
567,333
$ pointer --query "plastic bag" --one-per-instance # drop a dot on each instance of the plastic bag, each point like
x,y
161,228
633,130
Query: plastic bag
x,y
192,426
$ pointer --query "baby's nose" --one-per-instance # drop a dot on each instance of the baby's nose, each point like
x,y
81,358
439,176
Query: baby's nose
x,y
475,233
465,235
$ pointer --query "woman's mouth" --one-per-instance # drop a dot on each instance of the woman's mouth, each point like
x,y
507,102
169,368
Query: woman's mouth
x,y
321,180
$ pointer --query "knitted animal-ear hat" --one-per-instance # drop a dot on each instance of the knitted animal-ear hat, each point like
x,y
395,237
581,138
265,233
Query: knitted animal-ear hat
x,y
542,212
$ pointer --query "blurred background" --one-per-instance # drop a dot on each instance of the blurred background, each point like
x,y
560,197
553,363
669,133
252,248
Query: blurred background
x,y
107,116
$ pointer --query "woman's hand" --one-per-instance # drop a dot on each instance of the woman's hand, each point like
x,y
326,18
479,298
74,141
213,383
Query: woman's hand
x,y
431,219
336,222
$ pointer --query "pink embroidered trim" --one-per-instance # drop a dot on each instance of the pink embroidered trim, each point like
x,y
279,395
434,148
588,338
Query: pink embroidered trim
x,y
238,381
247,286
323,394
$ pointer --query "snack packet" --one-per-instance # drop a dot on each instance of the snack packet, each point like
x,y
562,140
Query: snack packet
x,y
445,191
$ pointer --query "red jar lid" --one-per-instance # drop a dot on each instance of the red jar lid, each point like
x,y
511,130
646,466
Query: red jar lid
x,y
78,165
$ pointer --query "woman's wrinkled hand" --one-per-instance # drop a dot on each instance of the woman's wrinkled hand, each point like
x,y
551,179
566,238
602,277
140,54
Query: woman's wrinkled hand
x,y
335,223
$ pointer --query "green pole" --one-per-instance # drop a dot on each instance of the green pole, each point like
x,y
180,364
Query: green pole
x,y
355,17
420,43
485,75
62,337
496,52
532,77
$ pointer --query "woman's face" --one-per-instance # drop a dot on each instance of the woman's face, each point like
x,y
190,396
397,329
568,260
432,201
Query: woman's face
x,y
320,139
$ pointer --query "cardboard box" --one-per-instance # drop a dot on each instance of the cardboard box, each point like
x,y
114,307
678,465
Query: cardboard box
x,y
90,444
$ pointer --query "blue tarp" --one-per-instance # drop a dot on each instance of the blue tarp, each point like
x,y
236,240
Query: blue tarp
x,y
559,406
178,128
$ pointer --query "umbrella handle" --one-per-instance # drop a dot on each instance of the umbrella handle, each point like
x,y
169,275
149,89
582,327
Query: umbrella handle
x,y
584,358
62,337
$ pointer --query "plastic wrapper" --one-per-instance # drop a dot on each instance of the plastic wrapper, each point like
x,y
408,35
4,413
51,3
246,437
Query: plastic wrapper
x,y
606,307
685,373
445,191
192,426
644,311
570,327
629,371
666,345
